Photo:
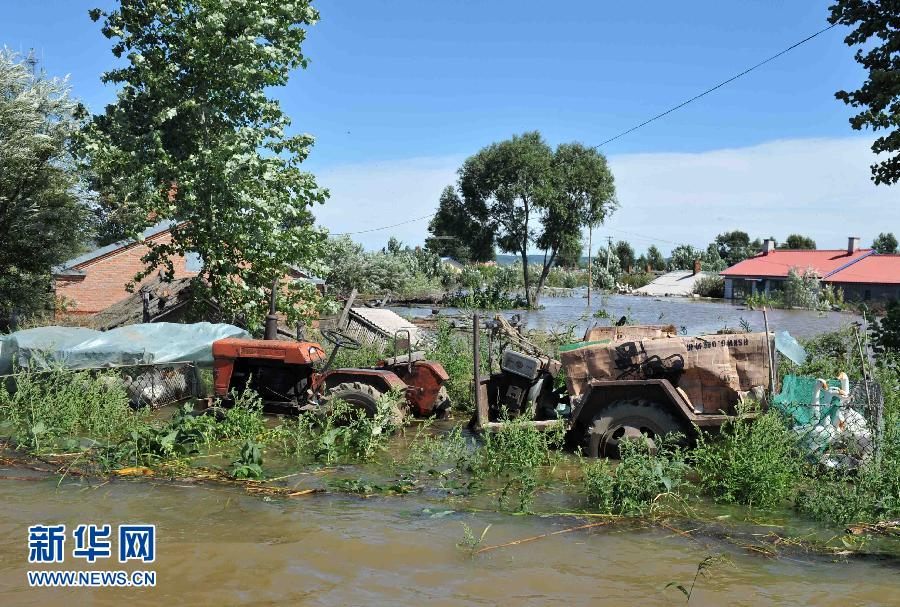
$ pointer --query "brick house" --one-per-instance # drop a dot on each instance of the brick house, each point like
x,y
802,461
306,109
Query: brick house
x,y
94,281
862,274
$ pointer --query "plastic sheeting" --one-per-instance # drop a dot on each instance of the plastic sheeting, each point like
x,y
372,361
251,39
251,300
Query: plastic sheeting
x,y
790,347
80,348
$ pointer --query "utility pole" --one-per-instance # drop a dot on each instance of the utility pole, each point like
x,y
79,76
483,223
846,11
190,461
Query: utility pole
x,y
608,252
590,245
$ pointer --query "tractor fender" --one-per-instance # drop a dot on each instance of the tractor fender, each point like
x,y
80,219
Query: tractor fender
x,y
380,379
660,391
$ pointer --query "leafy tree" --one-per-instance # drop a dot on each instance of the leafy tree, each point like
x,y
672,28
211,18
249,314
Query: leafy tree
x,y
625,254
801,289
194,137
885,243
877,32
798,241
569,255
735,246
683,257
454,232
655,258
396,270
710,261
641,263
606,270
886,332
43,221
529,196
586,183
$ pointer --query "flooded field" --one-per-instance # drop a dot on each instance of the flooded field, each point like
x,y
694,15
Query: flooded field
x,y
218,546
693,316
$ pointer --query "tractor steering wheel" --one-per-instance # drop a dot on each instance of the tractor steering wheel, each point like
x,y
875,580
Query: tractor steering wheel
x,y
340,340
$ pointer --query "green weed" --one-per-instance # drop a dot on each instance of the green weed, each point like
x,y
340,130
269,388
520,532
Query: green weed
x,y
55,409
454,352
249,463
338,433
469,542
642,476
751,461
514,455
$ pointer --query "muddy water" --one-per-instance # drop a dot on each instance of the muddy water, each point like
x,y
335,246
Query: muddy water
x,y
218,546
692,316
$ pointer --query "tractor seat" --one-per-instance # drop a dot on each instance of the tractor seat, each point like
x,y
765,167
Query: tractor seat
x,y
406,358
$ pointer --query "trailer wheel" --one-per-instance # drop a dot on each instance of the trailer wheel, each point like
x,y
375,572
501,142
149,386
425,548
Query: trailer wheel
x,y
365,397
627,419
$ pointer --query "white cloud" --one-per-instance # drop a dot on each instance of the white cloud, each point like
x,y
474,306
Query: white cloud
x,y
817,187
372,195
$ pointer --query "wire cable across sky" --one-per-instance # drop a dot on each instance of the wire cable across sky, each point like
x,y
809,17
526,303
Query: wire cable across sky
x,y
642,124
716,87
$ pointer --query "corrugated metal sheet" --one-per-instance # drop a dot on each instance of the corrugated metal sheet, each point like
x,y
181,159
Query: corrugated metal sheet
x,y
377,326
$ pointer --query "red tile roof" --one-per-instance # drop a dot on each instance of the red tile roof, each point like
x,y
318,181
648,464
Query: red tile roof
x,y
778,263
874,269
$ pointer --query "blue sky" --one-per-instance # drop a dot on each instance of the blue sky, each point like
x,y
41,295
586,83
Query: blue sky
x,y
400,92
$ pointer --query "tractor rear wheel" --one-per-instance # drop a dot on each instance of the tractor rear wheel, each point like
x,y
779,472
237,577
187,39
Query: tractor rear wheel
x,y
364,397
628,419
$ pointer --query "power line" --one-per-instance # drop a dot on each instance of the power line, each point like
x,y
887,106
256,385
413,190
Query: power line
x,y
716,87
641,125
387,227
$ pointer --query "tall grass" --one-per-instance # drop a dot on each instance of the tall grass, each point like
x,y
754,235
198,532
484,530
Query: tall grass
x,y
55,409
751,461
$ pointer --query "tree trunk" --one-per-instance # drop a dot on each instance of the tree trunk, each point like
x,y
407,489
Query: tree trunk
x,y
525,278
545,272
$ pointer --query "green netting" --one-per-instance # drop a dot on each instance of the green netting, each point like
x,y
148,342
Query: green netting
x,y
796,398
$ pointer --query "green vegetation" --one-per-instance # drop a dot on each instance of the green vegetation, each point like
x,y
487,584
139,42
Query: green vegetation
x,y
803,290
885,244
339,433
710,286
877,98
642,479
455,233
397,271
528,196
798,241
47,410
756,462
43,219
219,160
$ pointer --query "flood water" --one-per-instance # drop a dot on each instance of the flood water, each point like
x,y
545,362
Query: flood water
x,y
219,546
692,316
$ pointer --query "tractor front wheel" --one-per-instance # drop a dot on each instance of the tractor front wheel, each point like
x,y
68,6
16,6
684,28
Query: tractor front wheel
x,y
628,419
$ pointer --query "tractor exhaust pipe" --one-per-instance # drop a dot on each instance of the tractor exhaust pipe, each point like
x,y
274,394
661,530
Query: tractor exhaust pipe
x,y
272,319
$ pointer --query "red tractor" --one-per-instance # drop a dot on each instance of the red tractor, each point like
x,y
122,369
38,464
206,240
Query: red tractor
x,y
297,375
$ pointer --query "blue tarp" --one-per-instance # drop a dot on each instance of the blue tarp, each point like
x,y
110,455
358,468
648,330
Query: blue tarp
x,y
79,348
